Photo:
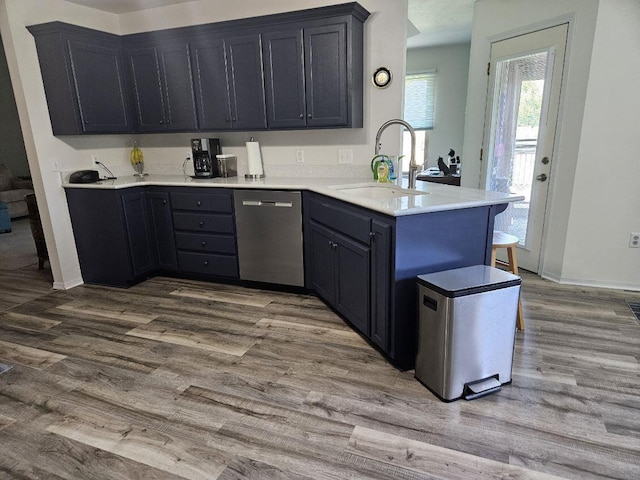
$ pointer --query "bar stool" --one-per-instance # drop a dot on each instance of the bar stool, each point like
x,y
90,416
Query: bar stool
x,y
504,240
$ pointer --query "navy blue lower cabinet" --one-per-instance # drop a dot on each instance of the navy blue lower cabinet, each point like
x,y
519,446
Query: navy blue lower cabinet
x,y
391,252
113,235
159,208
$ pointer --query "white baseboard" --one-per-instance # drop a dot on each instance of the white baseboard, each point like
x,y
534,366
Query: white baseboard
x,y
67,285
591,283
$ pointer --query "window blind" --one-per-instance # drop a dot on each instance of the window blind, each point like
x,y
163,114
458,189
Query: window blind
x,y
419,100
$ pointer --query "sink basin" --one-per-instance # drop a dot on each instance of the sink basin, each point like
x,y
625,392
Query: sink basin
x,y
380,192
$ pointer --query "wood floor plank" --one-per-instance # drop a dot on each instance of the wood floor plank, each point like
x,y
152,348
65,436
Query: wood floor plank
x,y
221,342
109,312
241,298
31,357
27,322
437,461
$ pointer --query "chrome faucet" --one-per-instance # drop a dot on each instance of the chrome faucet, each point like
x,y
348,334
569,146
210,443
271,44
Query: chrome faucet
x,y
413,166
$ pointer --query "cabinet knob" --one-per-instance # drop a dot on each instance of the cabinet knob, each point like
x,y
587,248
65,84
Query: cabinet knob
x,y
301,116
204,244
199,203
164,202
205,263
234,119
202,224
309,115
86,122
161,122
227,119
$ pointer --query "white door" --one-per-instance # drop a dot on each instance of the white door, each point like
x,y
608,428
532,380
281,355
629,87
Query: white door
x,y
525,76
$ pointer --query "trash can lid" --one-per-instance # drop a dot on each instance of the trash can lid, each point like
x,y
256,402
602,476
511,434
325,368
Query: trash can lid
x,y
468,280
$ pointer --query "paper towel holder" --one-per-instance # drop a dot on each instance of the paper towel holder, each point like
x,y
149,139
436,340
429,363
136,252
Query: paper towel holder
x,y
254,176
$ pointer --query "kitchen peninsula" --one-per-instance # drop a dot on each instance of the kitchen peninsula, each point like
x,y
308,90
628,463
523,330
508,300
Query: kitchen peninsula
x,y
364,242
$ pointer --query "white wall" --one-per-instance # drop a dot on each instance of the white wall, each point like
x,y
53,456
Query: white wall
x,y
579,246
384,45
606,195
451,63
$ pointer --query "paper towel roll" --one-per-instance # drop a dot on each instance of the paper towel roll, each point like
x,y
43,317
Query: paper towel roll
x,y
255,160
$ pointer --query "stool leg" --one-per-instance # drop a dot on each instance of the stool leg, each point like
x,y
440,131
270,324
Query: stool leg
x,y
513,265
494,252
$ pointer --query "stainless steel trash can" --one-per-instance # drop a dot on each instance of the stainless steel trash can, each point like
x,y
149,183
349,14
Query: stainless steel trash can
x,y
466,331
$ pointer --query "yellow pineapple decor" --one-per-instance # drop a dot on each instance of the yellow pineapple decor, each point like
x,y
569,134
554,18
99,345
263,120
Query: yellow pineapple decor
x,y
137,160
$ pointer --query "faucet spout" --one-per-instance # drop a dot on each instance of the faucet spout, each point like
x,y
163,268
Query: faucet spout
x,y
413,166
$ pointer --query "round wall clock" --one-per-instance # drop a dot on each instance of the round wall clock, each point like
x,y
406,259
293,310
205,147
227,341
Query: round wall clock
x,y
381,77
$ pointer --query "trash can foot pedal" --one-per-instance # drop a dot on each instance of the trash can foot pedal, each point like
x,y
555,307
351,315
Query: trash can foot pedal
x,y
481,388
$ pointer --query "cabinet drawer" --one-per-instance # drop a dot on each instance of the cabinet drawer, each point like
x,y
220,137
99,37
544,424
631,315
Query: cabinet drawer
x,y
201,222
208,264
206,243
204,202
345,221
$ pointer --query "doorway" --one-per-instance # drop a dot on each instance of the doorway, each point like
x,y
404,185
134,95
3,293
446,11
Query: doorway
x,y
525,78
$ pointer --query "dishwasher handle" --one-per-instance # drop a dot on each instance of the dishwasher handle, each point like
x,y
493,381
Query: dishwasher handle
x,y
266,203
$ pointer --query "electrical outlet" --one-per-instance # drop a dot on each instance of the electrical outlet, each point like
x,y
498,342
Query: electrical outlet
x,y
634,240
299,156
345,155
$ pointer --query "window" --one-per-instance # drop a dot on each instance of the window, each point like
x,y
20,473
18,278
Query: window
x,y
419,100
419,106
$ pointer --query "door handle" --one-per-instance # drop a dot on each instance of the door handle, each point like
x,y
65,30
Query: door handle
x,y
542,177
545,160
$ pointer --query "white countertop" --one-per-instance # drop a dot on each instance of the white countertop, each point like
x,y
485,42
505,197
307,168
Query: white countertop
x,y
429,197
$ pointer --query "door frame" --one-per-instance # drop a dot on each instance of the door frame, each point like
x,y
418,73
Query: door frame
x,y
569,20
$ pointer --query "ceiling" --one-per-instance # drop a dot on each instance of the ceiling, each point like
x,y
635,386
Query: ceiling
x,y
430,22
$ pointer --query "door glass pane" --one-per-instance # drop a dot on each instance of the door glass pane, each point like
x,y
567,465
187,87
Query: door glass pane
x,y
515,124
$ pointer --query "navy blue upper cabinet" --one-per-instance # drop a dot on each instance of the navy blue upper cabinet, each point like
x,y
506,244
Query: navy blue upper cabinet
x,y
229,83
163,88
294,70
313,73
85,79
326,76
284,79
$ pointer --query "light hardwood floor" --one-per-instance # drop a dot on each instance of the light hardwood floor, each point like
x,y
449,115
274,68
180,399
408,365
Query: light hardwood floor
x,y
182,379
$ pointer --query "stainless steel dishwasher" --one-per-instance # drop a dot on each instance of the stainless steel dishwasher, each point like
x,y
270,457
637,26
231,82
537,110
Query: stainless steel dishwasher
x,y
269,230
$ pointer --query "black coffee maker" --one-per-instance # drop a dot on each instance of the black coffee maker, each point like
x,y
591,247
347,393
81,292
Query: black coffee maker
x,y
204,151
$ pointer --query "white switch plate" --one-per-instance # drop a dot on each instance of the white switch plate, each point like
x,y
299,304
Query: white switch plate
x,y
299,156
345,155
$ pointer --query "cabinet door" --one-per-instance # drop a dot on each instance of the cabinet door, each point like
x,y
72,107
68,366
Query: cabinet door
x,y
145,73
101,239
210,79
140,239
246,84
322,262
101,87
326,75
284,79
177,83
380,283
352,282
162,228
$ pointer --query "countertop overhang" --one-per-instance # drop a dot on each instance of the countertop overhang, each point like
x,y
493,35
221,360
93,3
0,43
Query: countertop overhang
x,y
428,197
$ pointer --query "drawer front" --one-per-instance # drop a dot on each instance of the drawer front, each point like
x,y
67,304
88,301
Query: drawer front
x,y
202,202
208,264
203,242
348,222
201,222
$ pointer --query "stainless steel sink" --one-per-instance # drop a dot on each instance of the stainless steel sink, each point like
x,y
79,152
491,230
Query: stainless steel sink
x,y
380,192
